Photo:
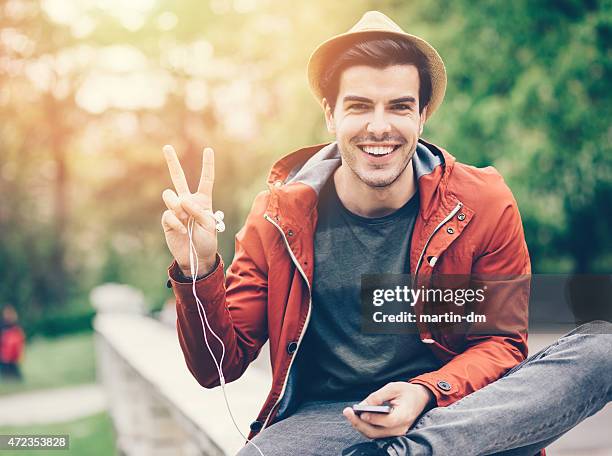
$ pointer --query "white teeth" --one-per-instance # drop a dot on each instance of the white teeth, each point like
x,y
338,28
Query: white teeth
x,y
378,150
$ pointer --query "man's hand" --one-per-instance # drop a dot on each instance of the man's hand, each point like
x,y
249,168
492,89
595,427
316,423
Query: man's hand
x,y
408,401
182,205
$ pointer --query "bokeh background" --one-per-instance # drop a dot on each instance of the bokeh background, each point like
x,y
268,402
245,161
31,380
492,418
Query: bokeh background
x,y
91,90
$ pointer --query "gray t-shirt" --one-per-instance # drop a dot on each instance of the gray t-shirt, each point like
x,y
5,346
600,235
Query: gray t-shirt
x,y
340,360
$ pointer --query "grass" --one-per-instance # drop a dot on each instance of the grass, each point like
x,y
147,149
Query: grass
x,y
90,436
55,363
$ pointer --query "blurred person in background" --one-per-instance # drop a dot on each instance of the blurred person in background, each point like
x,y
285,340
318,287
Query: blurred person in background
x,y
12,342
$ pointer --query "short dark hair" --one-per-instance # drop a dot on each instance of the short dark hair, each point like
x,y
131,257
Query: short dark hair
x,y
378,53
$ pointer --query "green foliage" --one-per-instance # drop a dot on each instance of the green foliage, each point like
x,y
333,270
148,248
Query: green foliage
x,y
61,323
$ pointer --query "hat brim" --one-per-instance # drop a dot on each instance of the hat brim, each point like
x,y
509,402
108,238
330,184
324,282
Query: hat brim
x,y
330,49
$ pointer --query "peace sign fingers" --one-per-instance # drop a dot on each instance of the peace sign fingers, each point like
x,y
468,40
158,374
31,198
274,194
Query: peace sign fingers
x,y
207,178
176,171
183,205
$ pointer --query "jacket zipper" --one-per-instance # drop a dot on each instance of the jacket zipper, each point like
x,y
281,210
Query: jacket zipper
x,y
448,217
299,267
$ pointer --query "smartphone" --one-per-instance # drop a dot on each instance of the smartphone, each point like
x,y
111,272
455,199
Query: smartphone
x,y
360,408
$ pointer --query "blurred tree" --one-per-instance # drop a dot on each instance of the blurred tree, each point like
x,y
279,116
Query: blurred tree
x,y
37,103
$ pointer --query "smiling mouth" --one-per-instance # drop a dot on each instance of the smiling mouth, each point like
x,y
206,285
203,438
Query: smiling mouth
x,y
379,151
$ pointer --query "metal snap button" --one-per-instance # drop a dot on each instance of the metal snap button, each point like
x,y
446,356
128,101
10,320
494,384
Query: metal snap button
x,y
290,233
450,230
256,426
444,386
461,216
292,347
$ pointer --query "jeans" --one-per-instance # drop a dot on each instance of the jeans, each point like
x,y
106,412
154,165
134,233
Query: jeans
x,y
531,406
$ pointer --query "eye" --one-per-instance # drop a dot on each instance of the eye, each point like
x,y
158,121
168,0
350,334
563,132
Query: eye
x,y
402,107
358,106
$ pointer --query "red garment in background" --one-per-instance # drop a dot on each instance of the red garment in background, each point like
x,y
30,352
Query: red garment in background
x,y
12,341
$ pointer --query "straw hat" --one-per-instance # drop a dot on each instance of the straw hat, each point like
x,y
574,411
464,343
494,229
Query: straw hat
x,y
375,24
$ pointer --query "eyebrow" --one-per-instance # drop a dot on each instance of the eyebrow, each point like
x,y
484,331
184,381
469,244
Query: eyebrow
x,y
367,100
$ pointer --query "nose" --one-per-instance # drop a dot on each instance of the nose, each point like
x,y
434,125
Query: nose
x,y
378,125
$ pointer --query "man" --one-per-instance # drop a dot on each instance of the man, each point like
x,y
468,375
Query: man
x,y
378,200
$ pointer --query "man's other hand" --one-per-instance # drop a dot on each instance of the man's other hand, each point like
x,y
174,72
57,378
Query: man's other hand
x,y
408,401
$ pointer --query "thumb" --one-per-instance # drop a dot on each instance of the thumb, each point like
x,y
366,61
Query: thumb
x,y
386,393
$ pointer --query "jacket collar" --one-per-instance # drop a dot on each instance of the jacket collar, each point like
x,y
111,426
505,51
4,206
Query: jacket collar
x,y
296,179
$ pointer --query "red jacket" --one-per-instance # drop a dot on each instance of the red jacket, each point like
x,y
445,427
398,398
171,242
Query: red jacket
x,y
468,221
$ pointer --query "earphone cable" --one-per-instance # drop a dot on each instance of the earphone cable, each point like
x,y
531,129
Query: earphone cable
x,y
193,258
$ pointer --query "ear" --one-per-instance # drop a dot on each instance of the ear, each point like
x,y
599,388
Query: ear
x,y
423,117
329,117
